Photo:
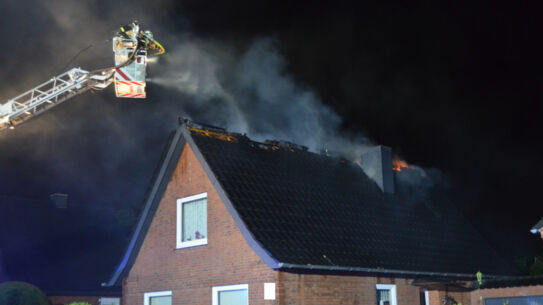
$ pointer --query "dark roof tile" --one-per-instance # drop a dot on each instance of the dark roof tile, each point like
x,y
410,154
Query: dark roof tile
x,y
300,206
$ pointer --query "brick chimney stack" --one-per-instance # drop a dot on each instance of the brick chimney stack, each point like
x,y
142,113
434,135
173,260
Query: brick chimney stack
x,y
377,164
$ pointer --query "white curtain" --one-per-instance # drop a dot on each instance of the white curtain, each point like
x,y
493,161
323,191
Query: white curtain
x,y
383,296
195,220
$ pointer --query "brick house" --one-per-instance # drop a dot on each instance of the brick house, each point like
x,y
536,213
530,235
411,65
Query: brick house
x,y
228,220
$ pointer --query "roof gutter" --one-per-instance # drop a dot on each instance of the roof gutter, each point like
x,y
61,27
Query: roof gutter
x,y
382,271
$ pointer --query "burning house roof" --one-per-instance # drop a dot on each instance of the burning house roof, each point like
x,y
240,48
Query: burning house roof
x,y
308,211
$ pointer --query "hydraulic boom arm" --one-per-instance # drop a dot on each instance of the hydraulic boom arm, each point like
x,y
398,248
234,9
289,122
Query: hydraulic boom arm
x,y
131,47
49,94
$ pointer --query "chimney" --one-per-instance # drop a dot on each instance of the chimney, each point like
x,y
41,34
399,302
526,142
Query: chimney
x,y
60,201
377,164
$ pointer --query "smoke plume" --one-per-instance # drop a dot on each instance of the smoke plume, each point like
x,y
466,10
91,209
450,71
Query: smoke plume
x,y
246,89
253,93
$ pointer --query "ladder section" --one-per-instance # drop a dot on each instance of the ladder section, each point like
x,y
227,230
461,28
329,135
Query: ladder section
x,y
42,97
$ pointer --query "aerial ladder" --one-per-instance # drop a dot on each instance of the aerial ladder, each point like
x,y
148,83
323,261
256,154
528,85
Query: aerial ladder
x,y
131,46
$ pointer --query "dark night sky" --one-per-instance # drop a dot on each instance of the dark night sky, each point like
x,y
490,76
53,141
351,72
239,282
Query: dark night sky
x,y
454,86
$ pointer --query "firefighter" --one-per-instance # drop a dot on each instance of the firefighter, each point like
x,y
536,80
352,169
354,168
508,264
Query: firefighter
x,y
151,44
130,30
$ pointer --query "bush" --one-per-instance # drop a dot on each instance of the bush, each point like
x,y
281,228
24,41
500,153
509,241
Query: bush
x,y
20,293
79,303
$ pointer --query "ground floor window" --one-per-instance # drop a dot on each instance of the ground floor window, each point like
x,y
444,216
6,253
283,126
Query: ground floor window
x,y
386,294
158,298
231,295
109,301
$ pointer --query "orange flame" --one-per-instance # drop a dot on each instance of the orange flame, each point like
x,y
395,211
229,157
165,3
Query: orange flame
x,y
398,164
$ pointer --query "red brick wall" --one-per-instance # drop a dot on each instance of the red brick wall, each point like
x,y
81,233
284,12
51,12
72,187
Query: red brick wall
x,y
434,298
302,289
504,292
191,272
63,300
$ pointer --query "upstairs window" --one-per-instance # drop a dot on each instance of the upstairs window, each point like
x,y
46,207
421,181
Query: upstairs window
x,y
192,221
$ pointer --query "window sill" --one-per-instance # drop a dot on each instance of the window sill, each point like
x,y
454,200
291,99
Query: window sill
x,y
192,243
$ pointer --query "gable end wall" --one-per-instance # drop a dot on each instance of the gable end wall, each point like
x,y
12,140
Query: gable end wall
x,y
191,272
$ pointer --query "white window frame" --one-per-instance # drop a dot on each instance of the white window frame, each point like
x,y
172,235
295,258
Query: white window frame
x,y
217,289
392,289
426,297
179,236
148,295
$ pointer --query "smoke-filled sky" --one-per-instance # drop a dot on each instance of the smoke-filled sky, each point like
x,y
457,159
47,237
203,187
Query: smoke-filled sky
x,y
455,87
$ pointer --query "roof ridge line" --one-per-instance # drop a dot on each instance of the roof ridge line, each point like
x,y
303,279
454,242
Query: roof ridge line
x,y
255,245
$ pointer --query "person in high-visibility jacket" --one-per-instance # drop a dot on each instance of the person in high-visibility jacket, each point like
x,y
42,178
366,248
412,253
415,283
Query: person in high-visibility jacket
x,y
144,39
153,47
130,31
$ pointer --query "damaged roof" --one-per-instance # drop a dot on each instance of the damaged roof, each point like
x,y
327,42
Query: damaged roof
x,y
307,212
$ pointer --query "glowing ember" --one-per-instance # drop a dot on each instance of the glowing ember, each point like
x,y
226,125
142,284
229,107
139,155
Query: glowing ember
x,y
397,165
